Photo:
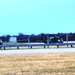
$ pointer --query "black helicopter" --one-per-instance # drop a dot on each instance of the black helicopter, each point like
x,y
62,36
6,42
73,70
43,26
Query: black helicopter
x,y
54,39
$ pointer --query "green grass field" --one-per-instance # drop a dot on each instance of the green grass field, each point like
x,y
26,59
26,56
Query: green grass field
x,y
38,64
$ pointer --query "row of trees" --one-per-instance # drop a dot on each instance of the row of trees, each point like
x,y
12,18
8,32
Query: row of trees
x,y
36,38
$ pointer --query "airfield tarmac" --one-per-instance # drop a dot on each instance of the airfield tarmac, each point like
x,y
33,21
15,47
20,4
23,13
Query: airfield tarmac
x,y
36,51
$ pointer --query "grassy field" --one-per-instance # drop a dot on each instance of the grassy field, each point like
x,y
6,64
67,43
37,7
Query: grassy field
x,y
38,64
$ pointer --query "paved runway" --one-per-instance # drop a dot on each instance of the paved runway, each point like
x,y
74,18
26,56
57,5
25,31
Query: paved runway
x,y
57,50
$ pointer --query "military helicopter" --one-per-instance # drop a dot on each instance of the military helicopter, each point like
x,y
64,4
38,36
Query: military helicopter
x,y
53,39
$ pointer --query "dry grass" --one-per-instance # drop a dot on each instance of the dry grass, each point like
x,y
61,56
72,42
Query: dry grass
x,y
38,64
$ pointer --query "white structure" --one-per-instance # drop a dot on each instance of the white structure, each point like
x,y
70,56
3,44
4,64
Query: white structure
x,y
13,39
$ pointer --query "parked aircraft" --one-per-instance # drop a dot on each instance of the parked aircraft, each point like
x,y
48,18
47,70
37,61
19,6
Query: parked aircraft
x,y
54,39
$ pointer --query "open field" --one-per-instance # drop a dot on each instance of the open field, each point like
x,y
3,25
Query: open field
x,y
38,64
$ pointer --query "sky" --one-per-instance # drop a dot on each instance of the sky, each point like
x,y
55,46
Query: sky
x,y
37,16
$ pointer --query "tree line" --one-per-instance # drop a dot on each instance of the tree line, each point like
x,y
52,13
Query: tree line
x,y
37,38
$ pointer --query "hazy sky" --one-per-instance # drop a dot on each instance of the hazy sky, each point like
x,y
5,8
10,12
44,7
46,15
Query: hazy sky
x,y
37,16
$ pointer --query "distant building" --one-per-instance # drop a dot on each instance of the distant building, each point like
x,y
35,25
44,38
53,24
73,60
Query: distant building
x,y
13,39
